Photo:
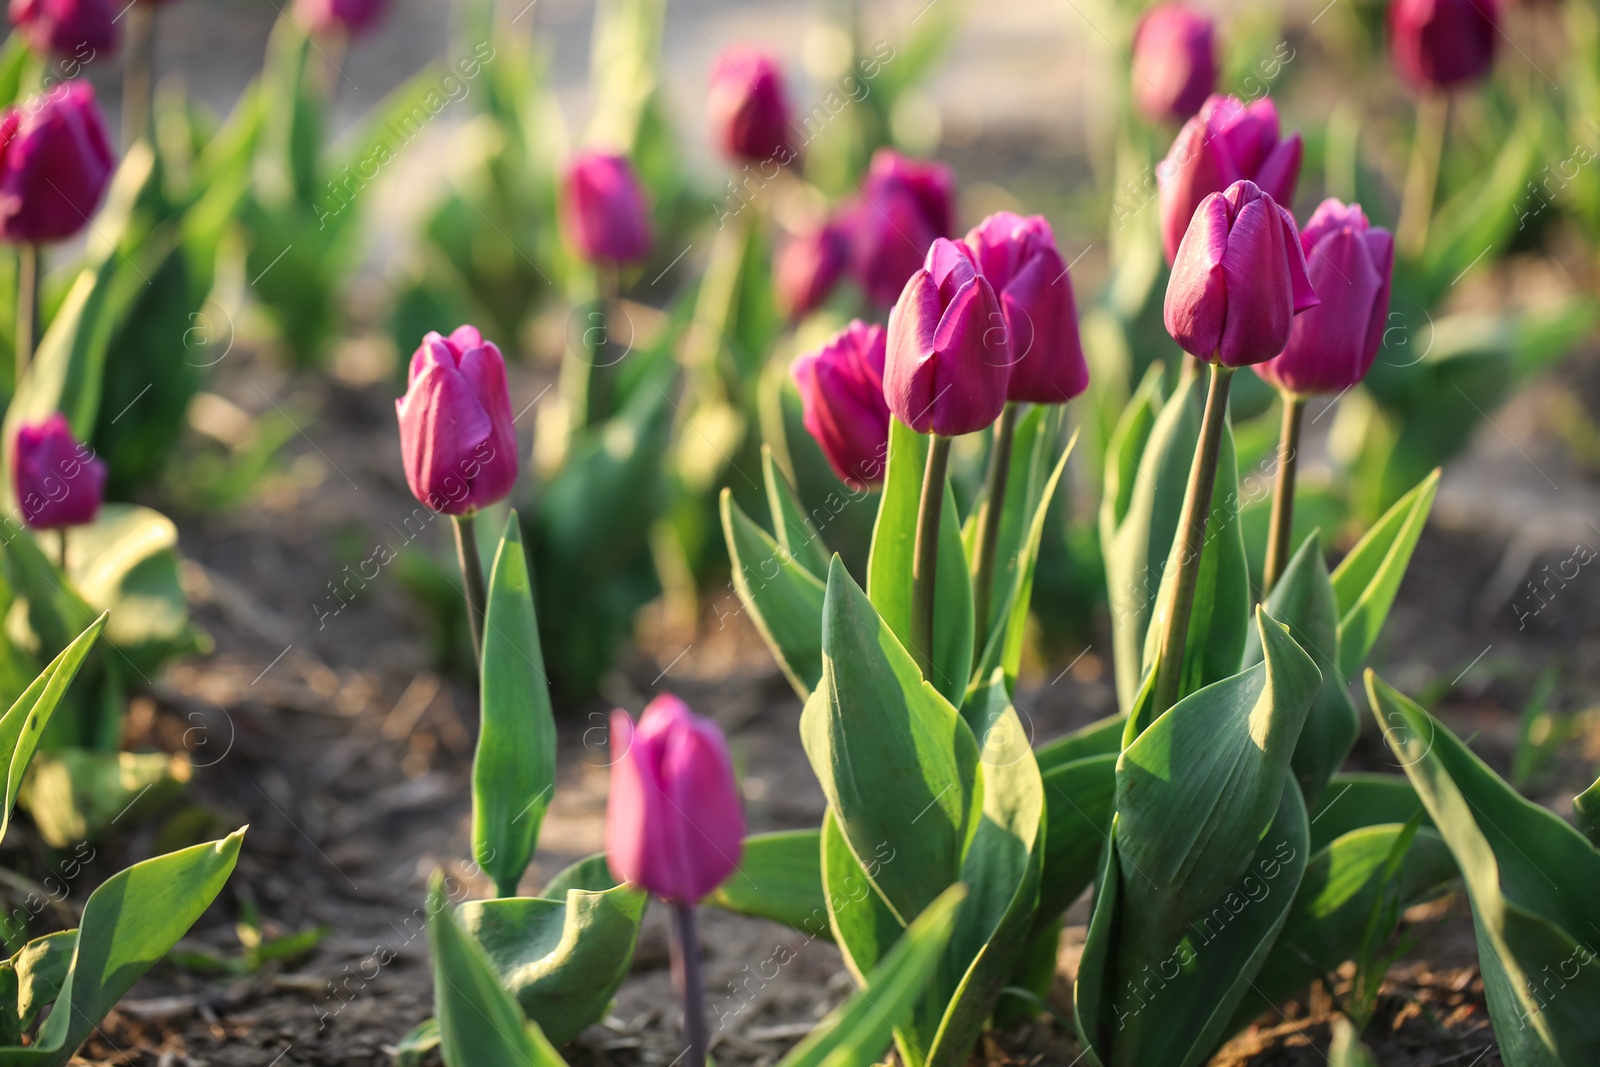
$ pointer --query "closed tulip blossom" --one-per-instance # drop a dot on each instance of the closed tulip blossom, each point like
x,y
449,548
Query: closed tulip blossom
x,y
72,29
603,210
1174,62
1227,141
1443,44
809,267
59,482
841,388
456,436
55,165
335,16
749,107
905,204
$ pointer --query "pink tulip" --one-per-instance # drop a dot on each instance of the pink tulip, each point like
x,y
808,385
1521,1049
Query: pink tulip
x,y
674,823
1443,43
603,210
905,204
58,481
456,434
350,16
841,387
749,107
73,29
55,165
809,268
1174,62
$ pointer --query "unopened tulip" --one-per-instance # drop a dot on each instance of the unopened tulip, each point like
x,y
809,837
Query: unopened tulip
x,y
58,481
1019,258
948,357
1227,141
1174,62
905,204
603,209
841,387
347,16
674,823
456,434
809,267
73,29
749,107
55,164
1443,43
1239,280
1350,263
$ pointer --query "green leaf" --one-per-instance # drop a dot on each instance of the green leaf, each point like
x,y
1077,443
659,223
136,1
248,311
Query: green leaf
x,y
514,770
77,794
779,878
1100,738
1079,797
1346,1049
1354,801
789,521
1586,813
1366,581
785,605
41,968
592,873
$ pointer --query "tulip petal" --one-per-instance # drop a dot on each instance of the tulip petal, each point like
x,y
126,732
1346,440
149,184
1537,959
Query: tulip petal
x,y
1279,173
1305,294
1196,309
627,807
1193,169
908,376
442,425
1260,291
704,808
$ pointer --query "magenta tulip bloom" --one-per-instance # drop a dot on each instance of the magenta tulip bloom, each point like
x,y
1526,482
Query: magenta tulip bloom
x,y
59,482
73,29
1239,280
1174,62
1443,43
55,165
1225,142
749,107
349,16
905,204
948,357
1018,257
674,823
603,210
1350,264
841,387
809,268
456,436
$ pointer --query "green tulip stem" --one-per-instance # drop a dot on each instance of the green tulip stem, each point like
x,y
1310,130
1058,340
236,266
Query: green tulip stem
x,y
925,555
27,307
1192,528
472,572
1422,178
989,521
1281,527
138,73
691,988
61,547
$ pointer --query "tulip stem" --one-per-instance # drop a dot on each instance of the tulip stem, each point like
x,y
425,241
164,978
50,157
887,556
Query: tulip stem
x,y
472,572
27,307
1281,527
1192,528
691,989
61,547
989,522
138,75
1422,178
925,554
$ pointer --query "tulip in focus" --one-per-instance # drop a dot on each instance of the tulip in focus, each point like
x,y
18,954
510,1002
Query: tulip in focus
x,y
841,387
749,107
349,16
905,204
1174,62
72,29
1019,258
674,824
603,211
1349,263
1228,140
58,481
55,165
1239,279
1443,44
456,436
809,268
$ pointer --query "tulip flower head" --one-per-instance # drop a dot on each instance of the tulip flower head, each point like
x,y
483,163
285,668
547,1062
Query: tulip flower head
x,y
58,481
674,823
334,16
55,165
456,436
749,107
71,29
603,210
1019,258
1239,280
1443,44
841,388
1227,141
1174,62
905,204
809,267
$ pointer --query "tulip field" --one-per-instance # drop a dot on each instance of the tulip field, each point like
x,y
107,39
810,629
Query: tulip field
x,y
640,533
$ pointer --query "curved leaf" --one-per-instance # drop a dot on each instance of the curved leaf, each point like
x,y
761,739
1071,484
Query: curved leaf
x,y
789,521
1366,581
786,605
779,878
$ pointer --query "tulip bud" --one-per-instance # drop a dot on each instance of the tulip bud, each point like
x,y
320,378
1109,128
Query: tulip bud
x,y
603,209
331,16
905,204
58,481
73,29
1443,43
1018,257
1227,141
809,267
456,436
1174,62
1239,280
948,357
55,164
841,387
674,824
749,108
1331,346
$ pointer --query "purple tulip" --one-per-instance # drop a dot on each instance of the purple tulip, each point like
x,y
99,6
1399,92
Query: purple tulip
x,y
456,436
948,357
1019,258
674,824
749,107
809,267
603,210
1174,62
1239,280
1350,263
349,16
1443,43
1225,142
58,481
841,386
55,164
905,204
73,29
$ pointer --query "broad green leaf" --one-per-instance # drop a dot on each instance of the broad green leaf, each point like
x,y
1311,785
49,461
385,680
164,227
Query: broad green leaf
x,y
1586,813
41,968
1366,581
779,878
514,770
1033,456
591,873
795,531
1100,738
1078,797
784,598
1353,801
1345,1049
78,794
